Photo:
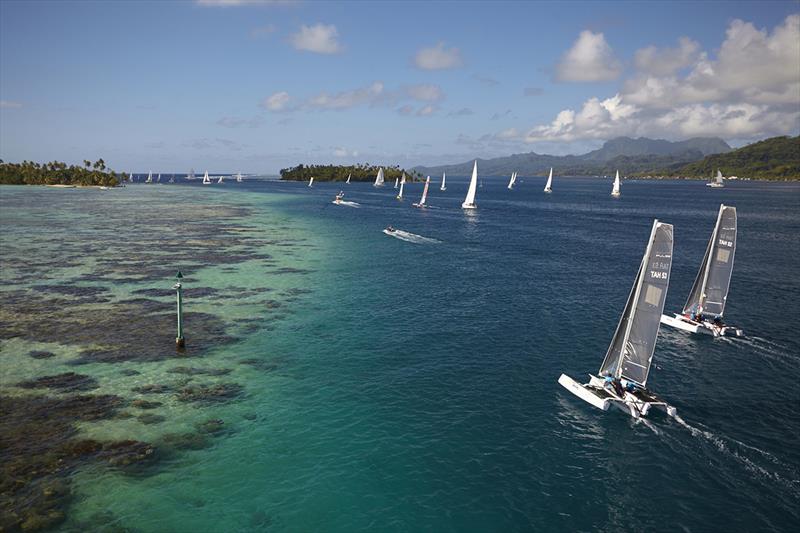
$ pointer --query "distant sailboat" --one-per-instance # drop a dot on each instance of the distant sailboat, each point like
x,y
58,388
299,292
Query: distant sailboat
x,y
220,180
206,179
512,181
311,182
239,177
469,201
396,181
622,378
158,179
615,188
549,186
149,177
402,183
717,182
348,177
424,194
131,178
443,187
706,303
191,175
379,178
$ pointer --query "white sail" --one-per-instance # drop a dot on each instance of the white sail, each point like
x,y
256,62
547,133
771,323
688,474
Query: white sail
x,y
615,188
149,177
206,179
379,178
311,182
549,186
717,181
469,201
239,177
130,177
219,180
424,193
348,177
159,177
400,194
443,187
513,180
396,181
191,174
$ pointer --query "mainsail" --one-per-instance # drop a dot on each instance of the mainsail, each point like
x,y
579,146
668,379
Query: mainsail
x,y
206,179
548,186
402,183
710,290
443,187
149,177
348,177
239,177
631,351
512,180
424,192
615,187
220,179
469,201
396,181
311,181
379,178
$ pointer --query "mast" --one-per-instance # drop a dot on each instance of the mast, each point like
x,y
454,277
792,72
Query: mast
x,y
469,201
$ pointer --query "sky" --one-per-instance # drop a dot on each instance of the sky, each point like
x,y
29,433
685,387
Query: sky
x,y
259,85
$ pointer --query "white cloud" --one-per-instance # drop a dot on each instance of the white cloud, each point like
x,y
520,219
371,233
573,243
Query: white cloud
x,y
347,99
425,92
750,90
589,59
276,102
426,110
7,104
319,38
438,58
665,61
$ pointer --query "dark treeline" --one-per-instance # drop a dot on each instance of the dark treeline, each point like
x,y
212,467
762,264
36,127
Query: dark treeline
x,y
58,173
362,172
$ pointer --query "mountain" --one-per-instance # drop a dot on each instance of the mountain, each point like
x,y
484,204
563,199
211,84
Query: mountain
x,y
777,158
624,153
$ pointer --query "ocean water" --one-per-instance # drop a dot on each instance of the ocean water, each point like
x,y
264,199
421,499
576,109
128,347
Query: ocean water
x,y
411,385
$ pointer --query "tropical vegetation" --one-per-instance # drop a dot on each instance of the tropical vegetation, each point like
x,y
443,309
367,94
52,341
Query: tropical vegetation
x,y
58,173
360,172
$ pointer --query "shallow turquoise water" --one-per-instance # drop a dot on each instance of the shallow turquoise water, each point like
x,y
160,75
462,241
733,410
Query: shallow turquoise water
x,y
414,387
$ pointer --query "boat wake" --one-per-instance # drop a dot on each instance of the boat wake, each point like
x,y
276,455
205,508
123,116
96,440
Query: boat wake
x,y
410,237
346,203
729,448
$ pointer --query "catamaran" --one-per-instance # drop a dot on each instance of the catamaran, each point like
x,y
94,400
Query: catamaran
x,y
402,183
443,187
549,185
512,181
622,378
717,182
348,177
379,178
706,303
239,177
149,177
311,181
424,194
469,201
615,187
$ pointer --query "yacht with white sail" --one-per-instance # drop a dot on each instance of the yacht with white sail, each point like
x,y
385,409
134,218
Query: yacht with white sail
x,y
149,177
206,179
239,177
444,186
469,201
402,183
190,176
549,185
379,178
615,187
512,181
424,194
220,180
622,378
705,306
396,181
311,181
717,181
348,177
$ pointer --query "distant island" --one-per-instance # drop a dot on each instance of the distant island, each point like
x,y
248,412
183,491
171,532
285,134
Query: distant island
x,y
58,173
363,172
776,158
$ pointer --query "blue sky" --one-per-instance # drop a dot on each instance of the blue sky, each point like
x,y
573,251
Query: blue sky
x,y
256,86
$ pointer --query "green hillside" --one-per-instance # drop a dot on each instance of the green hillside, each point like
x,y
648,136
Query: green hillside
x,y
777,158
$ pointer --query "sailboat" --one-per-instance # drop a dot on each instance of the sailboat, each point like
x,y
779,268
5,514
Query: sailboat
x,y
469,201
512,181
239,177
424,194
379,178
311,182
158,180
149,177
206,179
191,175
402,183
706,303
622,378
396,181
717,182
443,187
549,186
131,178
220,180
615,187
348,177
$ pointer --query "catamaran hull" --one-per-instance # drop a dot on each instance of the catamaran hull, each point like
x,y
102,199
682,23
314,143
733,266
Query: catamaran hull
x,y
703,328
637,404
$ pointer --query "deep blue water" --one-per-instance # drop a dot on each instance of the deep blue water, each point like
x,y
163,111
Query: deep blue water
x,y
418,387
